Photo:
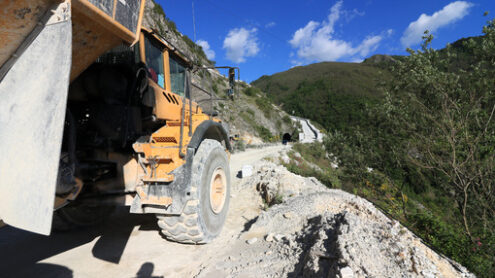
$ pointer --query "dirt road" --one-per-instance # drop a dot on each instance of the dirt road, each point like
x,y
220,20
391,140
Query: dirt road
x,y
129,245
310,132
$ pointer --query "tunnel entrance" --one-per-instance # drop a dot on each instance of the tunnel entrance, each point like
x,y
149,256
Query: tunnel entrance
x,y
286,138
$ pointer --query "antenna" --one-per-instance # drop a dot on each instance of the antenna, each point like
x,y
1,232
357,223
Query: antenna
x,y
194,29
194,21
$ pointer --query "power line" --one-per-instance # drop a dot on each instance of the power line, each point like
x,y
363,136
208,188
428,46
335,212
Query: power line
x,y
236,16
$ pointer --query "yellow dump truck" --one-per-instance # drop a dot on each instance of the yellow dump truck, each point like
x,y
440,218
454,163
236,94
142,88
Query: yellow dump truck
x,y
96,110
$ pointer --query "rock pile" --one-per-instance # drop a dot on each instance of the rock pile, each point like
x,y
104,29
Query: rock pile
x,y
274,181
331,233
313,231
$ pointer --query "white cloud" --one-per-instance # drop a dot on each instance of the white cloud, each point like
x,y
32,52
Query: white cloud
x,y
316,42
447,15
210,54
357,60
270,24
241,43
368,45
350,15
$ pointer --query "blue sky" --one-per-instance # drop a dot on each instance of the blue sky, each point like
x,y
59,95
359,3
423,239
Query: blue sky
x,y
266,37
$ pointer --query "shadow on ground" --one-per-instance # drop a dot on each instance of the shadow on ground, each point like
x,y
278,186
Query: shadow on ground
x,y
21,252
146,271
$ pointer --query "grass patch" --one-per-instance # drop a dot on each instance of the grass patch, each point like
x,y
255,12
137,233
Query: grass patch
x,y
265,105
251,91
264,133
315,154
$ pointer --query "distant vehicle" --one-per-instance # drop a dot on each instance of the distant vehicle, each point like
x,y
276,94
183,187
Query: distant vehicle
x,y
237,138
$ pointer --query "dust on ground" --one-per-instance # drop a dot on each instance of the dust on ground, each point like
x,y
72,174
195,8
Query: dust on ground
x,y
313,232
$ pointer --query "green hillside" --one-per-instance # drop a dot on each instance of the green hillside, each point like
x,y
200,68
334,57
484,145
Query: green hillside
x,y
351,78
330,93
413,134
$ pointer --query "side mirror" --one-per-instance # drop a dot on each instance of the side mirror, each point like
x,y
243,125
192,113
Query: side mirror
x,y
232,83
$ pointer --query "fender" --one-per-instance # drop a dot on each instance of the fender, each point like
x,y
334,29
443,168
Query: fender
x,y
210,130
179,189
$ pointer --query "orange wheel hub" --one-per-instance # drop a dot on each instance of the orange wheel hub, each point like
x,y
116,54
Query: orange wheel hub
x,y
218,190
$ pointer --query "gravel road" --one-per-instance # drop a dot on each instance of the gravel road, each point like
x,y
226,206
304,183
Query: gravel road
x,y
129,245
311,133
279,225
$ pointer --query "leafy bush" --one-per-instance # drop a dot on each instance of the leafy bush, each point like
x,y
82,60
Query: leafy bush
x,y
251,91
240,146
214,87
264,133
158,9
287,120
265,105
434,132
328,178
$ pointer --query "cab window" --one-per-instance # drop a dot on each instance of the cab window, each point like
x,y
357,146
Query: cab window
x,y
154,62
177,76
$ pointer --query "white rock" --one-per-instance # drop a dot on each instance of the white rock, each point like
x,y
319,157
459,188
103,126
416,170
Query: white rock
x,y
278,237
285,159
346,272
269,237
428,274
252,241
292,243
247,170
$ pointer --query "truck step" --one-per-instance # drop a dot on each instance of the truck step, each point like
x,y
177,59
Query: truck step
x,y
166,178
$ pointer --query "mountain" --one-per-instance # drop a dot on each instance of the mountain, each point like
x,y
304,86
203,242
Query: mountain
x,y
335,94
330,93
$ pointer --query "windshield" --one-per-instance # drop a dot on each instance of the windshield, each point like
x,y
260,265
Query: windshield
x,y
177,76
154,62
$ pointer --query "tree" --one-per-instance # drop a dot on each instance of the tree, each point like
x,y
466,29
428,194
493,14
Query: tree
x,y
448,115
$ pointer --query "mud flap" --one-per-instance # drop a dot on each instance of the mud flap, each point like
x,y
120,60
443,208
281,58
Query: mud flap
x,y
33,98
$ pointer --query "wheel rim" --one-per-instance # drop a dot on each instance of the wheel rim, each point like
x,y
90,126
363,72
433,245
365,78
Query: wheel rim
x,y
218,190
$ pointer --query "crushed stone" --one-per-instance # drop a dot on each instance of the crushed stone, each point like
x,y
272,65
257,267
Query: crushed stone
x,y
321,232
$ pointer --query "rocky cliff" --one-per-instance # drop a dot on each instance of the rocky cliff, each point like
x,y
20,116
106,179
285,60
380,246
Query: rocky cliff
x,y
252,116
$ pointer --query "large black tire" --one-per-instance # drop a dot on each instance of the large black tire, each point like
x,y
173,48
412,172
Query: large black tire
x,y
204,215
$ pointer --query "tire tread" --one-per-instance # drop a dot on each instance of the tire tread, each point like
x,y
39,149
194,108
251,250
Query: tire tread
x,y
186,228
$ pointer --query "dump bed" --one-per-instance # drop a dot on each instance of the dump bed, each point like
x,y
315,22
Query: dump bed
x,y
98,25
